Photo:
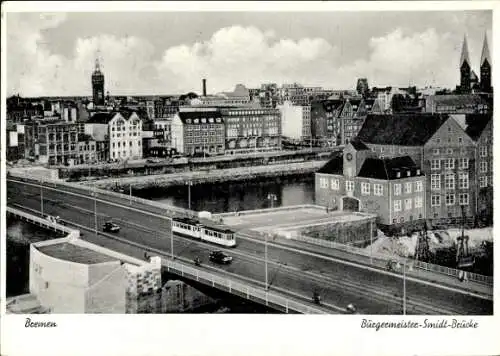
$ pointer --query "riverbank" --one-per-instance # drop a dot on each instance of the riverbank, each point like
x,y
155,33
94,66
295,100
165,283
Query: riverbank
x,y
209,176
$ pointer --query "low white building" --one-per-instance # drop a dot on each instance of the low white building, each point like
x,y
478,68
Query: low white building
x,y
295,121
70,275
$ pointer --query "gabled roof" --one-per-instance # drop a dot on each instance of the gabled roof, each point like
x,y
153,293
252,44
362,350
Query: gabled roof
x,y
334,165
477,125
485,53
400,129
388,168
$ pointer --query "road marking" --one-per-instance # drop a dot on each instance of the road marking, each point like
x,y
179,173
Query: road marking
x,y
248,237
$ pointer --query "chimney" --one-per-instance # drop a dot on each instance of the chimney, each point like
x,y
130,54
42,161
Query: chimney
x,y
204,87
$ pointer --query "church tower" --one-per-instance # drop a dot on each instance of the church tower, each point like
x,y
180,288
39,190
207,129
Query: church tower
x,y
485,83
465,69
98,85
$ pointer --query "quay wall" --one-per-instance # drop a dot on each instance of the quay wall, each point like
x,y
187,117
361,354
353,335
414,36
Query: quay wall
x,y
208,176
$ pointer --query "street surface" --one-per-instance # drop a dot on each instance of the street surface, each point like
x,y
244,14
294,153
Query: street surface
x,y
338,281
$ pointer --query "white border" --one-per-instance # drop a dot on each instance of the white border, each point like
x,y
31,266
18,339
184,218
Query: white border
x,y
244,334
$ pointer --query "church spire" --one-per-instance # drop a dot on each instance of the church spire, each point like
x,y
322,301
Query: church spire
x,y
464,57
485,53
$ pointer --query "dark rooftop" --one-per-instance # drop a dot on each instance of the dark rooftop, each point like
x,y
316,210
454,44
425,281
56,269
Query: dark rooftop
x,y
476,125
400,129
334,165
101,118
388,168
456,99
74,253
197,117
358,145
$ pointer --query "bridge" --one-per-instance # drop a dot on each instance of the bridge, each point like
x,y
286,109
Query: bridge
x,y
294,270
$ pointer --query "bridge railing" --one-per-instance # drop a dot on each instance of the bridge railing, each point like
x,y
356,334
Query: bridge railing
x,y
241,289
488,280
89,190
42,222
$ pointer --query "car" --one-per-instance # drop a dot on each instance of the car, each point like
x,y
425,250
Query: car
x,y
220,257
110,227
351,309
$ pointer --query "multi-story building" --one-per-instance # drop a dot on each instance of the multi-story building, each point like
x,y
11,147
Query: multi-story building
x,y
352,116
295,121
15,142
19,109
357,180
198,131
251,129
457,104
325,122
51,142
444,150
480,129
123,131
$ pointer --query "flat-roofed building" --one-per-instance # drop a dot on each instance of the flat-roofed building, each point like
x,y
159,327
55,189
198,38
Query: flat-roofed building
x,y
70,275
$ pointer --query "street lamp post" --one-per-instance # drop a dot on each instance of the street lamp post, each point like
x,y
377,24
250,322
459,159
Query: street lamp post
x,y
272,198
189,184
172,238
371,242
41,197
95,209
404,288
130,194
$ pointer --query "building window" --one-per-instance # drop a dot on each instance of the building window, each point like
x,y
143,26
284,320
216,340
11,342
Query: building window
x,y
449,151
407,204
483,182
483,167
378,189
449,163
463,199
435,181
435,164
450,199
435,200
408,188
418,202
463,181
483,151
449,181
323,183
397,205
463,163
397,189
349,186
419,186
334,184
365,188
435,151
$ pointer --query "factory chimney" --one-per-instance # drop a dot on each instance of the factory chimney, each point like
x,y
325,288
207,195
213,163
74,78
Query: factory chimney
x,y
204,87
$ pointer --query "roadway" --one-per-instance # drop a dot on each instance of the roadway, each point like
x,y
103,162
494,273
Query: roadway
x,y
339,282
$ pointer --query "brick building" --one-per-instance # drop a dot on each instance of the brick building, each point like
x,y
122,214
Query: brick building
x,y
198,131
325,124
443,149
54,143
357,180
249,129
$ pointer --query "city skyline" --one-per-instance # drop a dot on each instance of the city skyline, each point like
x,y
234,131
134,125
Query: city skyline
x,y
317,49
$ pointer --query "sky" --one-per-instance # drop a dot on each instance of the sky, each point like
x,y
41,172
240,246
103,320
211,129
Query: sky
x,y
52,54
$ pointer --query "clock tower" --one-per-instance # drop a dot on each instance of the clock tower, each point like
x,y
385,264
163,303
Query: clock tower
x,y
98,85
355,154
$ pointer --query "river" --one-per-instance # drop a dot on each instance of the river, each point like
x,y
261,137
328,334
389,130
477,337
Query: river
x,y
236,196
